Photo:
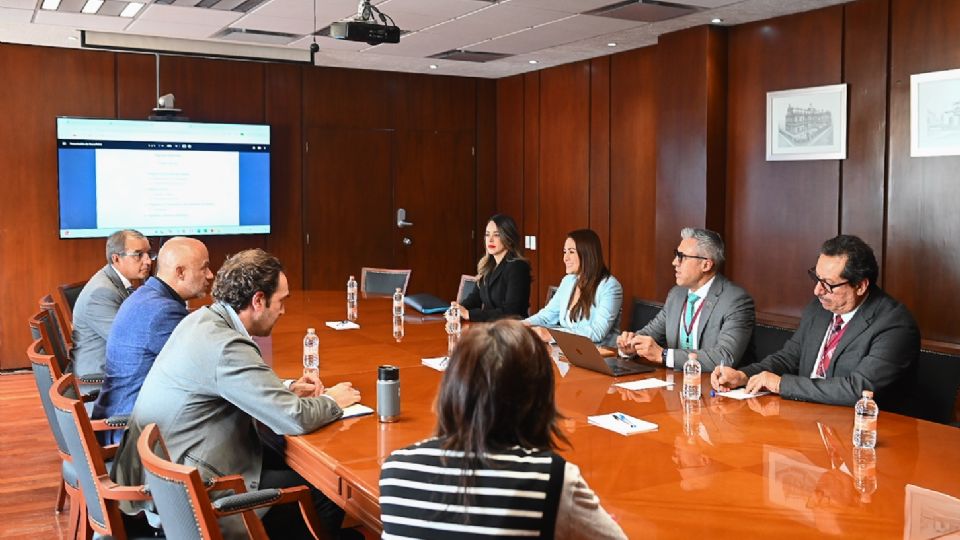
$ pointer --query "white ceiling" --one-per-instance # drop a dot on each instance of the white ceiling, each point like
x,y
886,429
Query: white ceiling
x,y
535,33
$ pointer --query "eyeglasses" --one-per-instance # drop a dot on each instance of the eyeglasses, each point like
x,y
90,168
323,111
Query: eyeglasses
x,y
680,256
139,254
829,287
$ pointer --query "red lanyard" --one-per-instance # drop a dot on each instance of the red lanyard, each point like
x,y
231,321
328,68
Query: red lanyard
x,y
693,320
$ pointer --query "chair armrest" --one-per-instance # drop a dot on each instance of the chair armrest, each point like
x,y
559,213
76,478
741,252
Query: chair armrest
x,y
91,378
108,424
233,482
250,500
115,492
109,451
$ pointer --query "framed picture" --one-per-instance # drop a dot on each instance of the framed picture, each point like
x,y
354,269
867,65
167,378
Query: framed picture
x,y
935,113
807,123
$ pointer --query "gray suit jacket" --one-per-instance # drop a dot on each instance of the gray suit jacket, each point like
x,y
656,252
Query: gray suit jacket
x,y
205,390
878,349
724,327
93,315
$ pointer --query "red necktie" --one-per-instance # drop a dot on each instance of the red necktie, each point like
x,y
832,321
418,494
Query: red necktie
x,y
836,332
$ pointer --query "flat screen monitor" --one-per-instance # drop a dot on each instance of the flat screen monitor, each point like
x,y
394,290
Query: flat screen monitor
x,y
162,178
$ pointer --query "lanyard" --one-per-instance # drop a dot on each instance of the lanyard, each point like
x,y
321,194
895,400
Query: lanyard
x,y
693,320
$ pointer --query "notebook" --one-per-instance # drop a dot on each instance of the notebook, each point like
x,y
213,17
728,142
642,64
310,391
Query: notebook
x,y
581,352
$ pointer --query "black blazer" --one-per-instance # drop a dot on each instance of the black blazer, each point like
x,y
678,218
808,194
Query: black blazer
x,y
503,293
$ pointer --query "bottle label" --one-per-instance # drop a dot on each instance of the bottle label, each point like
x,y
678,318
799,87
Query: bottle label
x,y
691,379
864,423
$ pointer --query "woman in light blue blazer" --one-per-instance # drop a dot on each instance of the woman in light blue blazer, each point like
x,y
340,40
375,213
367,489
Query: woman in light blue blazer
x,y
588,300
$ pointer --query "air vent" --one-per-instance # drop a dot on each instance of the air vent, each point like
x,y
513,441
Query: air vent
x,y
257,36
469,56
240,6
643,11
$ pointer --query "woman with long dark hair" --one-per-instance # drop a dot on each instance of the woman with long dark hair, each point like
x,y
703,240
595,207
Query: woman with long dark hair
x,y
503,275
492,467
589,298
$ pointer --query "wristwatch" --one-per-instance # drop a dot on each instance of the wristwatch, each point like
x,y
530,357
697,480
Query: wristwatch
x,y
663,356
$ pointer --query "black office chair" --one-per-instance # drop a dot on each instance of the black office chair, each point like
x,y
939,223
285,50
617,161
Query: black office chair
x,y
468,284
383,281
643,312
931,392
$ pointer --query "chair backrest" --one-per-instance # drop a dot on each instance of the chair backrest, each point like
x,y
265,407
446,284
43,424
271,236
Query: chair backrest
x,y
468,284
45,373
383,281
551,290
62,326
768,339
643,312
87,455
67,294
42,327
178,491
931,393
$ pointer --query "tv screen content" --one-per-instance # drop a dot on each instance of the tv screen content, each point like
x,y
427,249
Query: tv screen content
x,y
162,178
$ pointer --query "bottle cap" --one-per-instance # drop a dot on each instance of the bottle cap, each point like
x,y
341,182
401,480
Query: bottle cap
x,y
351,277
388,373
868,394
311,331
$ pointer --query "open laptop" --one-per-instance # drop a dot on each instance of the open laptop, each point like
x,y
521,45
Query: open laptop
x,y
581,352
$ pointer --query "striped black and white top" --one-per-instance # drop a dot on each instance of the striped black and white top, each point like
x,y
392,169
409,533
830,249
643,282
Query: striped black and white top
x,y
421,494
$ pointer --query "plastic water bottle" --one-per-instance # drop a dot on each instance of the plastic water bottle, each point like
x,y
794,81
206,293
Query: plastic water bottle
x,y
398,303
352,299
865,472
311,353
453,327
398,328
865,421
691,378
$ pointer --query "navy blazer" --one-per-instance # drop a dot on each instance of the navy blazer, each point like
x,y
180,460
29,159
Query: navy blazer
x,y
877,352
505,292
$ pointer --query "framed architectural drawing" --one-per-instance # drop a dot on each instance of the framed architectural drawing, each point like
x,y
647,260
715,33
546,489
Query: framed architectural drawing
x,y
935,113
807,123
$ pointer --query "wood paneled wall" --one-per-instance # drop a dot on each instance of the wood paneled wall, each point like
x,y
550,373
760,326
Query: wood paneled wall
x,y
44,83
686,146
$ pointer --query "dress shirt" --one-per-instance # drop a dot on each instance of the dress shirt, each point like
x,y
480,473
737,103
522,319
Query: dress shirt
x,y
701,294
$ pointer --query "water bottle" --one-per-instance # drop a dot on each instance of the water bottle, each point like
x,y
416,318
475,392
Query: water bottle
x,y
865,421
453,327
691,378
311,353
388,393
865,472
352,299
398,303
398,328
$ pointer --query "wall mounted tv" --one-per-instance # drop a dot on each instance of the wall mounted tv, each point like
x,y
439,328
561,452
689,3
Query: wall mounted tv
x,y
163,178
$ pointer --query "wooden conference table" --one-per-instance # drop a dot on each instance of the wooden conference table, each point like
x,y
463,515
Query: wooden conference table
x,y
752,468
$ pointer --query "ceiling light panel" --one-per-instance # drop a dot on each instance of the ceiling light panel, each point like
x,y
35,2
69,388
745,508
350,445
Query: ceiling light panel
x,y
91,7
103,23
112,8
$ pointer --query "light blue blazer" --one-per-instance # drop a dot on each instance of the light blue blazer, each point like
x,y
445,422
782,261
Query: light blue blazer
x,y
603,325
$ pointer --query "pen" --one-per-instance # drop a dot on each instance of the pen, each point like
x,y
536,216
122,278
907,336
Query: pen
x,y
623,418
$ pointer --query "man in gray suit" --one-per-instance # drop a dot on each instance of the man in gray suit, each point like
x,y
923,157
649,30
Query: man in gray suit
x,y
128,260
705,313
852,337
209,387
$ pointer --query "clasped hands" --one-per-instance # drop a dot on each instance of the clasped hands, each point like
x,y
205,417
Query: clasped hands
x,y
310,386
643,346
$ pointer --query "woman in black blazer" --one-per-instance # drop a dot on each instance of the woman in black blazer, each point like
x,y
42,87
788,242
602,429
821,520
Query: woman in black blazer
x,y
503,280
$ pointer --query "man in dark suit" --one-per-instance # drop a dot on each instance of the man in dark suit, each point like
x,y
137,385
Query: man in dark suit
x,y
145,321
852,336
209,388
705,313
128,260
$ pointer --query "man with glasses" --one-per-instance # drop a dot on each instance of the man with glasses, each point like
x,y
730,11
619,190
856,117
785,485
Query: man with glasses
x,y
852,337
128,261
705,313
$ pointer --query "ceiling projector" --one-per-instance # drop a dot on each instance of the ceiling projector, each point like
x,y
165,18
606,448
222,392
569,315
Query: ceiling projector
x,y
367,32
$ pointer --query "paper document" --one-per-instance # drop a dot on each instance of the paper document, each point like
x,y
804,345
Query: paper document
x,y
741,393
343,325
439,363
621,423
643,384
356,410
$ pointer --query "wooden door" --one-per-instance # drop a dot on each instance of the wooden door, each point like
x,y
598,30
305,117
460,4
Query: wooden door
x,y
436,184
348,206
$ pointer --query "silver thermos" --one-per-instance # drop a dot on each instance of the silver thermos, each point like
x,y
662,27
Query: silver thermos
x,y
388,393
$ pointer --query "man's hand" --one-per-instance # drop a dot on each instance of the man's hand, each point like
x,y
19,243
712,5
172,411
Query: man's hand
x,y
307,386
624,343
762,380
724,379
647,348
344,394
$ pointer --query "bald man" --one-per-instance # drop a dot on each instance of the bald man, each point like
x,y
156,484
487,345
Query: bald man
x,y
147,318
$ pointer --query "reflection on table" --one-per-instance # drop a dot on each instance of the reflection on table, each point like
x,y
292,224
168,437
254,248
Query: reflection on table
x,y
758,467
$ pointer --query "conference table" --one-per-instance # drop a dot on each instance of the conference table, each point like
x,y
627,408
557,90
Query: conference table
x,y
718,466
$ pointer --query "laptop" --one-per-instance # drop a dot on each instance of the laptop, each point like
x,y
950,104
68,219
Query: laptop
x,y
581,352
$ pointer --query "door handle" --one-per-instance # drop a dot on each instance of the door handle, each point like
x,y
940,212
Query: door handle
x,y
402,219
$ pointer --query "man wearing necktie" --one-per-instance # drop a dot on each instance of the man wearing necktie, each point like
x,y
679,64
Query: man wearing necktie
x,y
852,336
128,259
705,313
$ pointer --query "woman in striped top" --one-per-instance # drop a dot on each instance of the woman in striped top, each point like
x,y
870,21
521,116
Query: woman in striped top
x,y
492,470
